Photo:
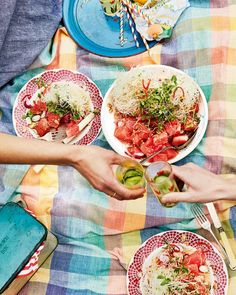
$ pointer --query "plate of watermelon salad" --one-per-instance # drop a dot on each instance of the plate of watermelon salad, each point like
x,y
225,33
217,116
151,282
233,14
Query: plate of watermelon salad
x,y
177,262
151,107
58,105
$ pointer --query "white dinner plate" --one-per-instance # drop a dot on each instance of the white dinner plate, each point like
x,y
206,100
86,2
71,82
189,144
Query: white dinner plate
x,y
107,117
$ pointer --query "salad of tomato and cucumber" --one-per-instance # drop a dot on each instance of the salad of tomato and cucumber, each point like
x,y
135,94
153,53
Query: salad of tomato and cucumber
x,y
177,268
59,104
152,113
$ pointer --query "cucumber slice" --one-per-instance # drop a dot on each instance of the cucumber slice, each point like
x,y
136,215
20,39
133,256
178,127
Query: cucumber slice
x,y
164,184
131,181
131,173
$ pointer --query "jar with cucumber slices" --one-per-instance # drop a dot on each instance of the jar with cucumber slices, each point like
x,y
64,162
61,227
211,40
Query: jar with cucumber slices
x,y
161,179
131,174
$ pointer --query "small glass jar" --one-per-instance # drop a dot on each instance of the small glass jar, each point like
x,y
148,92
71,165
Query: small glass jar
x,y
160,177
131,174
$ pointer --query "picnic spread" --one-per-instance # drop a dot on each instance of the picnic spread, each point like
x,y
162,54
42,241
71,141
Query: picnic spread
x,y
98,235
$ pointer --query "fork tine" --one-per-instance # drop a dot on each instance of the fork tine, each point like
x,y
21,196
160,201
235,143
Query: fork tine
x,y
197,208
198,214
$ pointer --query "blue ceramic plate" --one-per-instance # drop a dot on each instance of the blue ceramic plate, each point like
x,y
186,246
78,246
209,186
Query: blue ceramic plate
x,y
94,31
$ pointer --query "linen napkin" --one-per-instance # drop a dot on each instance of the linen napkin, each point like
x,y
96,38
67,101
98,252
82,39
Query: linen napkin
x,y
159,12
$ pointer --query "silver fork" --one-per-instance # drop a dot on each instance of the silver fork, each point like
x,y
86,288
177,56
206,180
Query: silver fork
x,y
178,148
205,224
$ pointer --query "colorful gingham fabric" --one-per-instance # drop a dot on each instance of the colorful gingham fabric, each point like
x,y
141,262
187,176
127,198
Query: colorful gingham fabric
x,y
98,234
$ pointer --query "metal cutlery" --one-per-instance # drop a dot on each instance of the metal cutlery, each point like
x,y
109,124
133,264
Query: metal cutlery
x,y
217,224
205,224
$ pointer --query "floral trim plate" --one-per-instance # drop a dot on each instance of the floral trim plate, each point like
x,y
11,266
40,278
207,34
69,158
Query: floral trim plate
x,y
176,236
30,88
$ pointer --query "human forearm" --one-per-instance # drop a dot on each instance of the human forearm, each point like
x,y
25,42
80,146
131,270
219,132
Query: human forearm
x,y
93,162
15,150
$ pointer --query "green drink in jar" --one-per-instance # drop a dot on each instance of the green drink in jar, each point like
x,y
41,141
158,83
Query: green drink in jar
x,y
131,174
161,179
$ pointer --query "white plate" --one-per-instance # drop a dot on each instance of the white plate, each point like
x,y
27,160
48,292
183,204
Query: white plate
x,y
107,118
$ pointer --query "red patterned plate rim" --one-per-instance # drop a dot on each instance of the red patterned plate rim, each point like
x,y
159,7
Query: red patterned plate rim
x,y
56,75
213,256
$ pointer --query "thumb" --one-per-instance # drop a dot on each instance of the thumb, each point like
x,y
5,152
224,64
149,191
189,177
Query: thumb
x,y
177,197
128,194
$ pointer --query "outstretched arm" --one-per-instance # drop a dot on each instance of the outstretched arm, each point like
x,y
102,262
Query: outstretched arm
x,y
93,162
203,186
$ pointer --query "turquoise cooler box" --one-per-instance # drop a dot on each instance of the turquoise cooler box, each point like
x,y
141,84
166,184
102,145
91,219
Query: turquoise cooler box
x,y
20,237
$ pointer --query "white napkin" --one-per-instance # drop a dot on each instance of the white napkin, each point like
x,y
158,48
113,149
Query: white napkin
x,y
163,12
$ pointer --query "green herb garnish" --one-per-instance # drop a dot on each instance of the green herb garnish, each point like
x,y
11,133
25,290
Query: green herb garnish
x,y
165,281
158,103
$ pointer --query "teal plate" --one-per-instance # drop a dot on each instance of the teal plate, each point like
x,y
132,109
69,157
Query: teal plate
x,y
94,31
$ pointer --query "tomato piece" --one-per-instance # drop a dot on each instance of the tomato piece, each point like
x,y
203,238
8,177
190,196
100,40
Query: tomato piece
x,y
129,123
146,149
173,128
193,268
139,127
53,120
149,141
123,134
197,258
191,287
160,138
190,124
42,127
140,133
171,153
38,107
140,137
201,289
66,118
180,139
159,157
72,129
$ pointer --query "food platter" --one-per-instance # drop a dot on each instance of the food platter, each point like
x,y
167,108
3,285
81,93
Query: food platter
x,y
149,249
162,72
100,35
31,94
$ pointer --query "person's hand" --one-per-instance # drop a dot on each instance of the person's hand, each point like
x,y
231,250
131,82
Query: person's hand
x,y
202,186
95,164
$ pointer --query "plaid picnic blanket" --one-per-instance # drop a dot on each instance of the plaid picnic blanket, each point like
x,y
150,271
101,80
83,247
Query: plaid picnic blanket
x,y
98,234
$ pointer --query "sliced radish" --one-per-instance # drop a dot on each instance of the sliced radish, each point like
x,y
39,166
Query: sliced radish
x,y
203,268
36,118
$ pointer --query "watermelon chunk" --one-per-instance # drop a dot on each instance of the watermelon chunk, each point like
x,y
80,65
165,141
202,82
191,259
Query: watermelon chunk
x,y
42,127
72,129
